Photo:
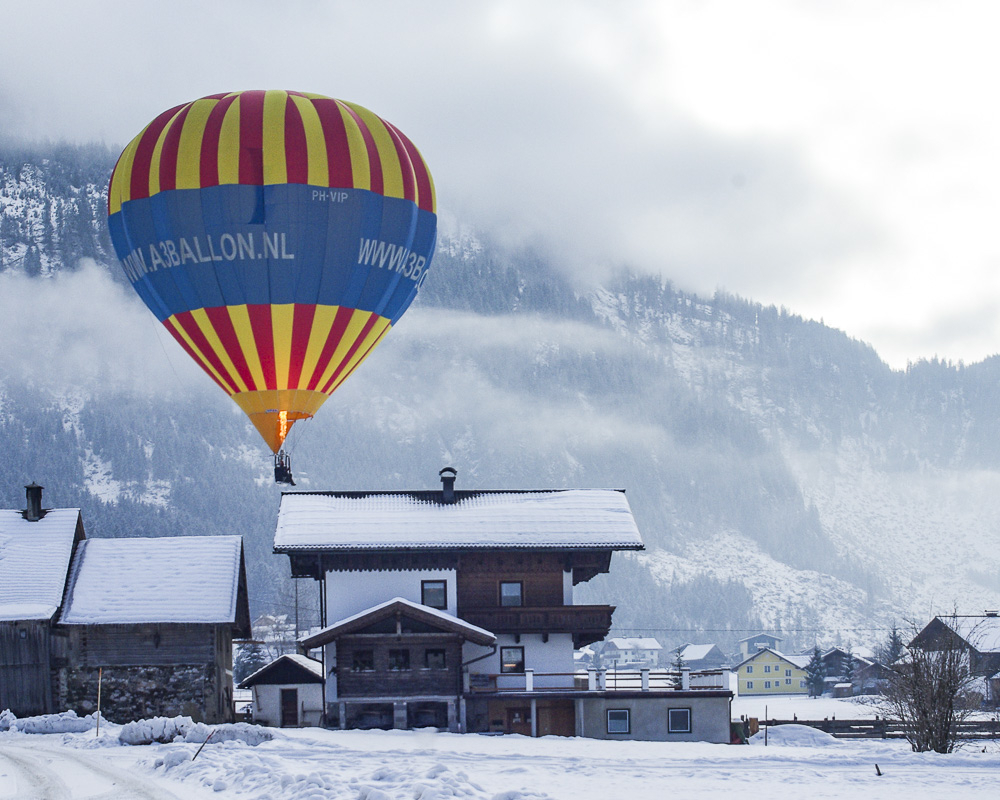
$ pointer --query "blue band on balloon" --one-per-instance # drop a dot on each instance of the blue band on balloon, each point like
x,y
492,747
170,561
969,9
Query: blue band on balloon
x,y
285,243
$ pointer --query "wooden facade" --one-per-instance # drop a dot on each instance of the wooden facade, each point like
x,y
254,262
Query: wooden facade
x,y
25,676
431,666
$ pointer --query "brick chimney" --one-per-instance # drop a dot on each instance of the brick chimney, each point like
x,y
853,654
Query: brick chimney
x,y
448,475
33,512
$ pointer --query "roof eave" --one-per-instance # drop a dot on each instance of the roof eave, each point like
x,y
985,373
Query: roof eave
x,y
318,548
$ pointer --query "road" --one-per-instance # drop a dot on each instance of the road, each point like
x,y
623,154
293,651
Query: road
x,y
35,771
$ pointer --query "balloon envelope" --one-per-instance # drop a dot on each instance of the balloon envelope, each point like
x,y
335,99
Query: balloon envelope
x,y
278,236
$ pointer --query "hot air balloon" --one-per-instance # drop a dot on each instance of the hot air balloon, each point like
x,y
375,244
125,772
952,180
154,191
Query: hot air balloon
x,y
278,236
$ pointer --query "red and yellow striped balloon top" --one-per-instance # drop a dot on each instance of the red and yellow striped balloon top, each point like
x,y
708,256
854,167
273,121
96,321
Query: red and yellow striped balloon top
x,y
270,137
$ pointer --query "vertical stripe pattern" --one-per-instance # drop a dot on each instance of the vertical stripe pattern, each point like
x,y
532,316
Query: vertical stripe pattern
x,y
267,137
278,291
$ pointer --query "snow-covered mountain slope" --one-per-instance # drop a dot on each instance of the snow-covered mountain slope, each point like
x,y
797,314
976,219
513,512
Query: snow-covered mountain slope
x,y
780,472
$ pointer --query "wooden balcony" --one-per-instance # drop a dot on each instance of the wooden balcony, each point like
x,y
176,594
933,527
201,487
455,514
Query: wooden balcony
x,y
588,624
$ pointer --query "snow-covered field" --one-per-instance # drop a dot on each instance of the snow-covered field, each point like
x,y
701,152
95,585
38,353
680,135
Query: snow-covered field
x,y
424,765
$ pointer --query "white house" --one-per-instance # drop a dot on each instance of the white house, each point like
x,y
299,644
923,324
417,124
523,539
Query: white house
x,y
288,692
630,652
455,609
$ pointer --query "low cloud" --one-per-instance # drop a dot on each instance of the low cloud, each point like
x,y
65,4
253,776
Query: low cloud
x,y
81,329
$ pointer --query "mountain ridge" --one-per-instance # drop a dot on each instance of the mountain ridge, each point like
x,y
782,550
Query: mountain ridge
x,y
774,465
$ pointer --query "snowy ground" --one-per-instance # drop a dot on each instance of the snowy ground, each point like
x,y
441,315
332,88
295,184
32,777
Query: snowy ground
x,y
790,706
421,765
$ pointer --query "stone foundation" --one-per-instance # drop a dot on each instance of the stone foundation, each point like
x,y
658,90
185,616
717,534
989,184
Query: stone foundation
x,y
131,693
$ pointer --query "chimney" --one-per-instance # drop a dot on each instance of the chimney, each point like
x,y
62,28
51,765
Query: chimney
x,y
448,484
33,512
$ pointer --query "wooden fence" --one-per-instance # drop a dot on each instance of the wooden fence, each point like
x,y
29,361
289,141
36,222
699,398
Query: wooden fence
x,y
886,729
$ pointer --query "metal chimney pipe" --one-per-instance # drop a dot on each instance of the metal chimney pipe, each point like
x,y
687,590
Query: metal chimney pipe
x,y
33,492
448,475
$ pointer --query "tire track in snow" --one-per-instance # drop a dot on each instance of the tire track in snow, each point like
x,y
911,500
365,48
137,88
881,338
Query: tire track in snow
x,y
37,775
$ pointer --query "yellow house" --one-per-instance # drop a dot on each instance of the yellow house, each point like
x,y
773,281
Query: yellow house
x,y
769,672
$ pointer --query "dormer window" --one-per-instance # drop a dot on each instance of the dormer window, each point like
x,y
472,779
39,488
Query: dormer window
x,y
511,593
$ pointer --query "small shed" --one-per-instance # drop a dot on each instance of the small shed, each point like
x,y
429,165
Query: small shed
x,y
288,692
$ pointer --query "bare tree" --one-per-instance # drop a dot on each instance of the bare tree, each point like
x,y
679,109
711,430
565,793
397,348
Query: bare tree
x,y
930,689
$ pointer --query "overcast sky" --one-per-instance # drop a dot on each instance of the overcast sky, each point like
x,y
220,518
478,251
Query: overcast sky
x,y
837,158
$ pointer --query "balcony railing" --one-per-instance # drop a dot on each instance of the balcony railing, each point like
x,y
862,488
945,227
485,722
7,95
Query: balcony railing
x,y
597,680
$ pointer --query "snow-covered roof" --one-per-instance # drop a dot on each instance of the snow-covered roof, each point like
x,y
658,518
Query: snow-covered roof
x,y
982,632
635,643
445,620
557,519
34,562
168,579
796,661
313,666
696,652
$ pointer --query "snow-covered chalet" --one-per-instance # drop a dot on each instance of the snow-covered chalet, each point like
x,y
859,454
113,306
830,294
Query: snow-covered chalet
x,y
455,609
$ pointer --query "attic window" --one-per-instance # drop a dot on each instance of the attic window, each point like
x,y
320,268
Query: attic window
x,y
511,593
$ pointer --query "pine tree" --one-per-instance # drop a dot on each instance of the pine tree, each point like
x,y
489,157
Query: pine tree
x,y
677,665
250,657
848,665
815,673
890,652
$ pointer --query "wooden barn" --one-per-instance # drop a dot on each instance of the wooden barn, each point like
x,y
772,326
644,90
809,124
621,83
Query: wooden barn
x,y
36,548
154,618
157,618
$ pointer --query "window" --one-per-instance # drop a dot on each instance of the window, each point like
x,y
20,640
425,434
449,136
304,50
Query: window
x,y
363,661
802,684
511,593
749,669
399,660
434,658
788,673
618,720
679,720
767,684
749,684
767,668
434,593
512,659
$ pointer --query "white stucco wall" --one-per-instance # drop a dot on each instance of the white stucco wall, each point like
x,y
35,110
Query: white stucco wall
x,y
349,593
267,703
554,656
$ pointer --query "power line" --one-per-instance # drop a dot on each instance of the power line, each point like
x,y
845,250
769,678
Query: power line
x,y
755,630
